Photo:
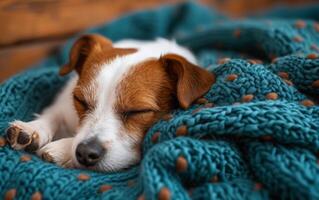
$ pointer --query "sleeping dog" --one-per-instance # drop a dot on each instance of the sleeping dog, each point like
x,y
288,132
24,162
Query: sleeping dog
x,y
118,92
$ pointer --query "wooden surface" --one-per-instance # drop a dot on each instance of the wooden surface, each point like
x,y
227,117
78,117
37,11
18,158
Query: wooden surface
x,y
32,29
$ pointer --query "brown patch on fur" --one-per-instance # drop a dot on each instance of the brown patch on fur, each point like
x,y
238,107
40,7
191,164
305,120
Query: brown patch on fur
x,y
147,88
151,89
191,81
82,49
87,56
155,87
89,72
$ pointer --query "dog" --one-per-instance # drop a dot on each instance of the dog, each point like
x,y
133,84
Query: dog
x,y
118,92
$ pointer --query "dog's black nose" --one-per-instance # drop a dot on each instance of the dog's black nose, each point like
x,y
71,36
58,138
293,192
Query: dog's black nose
x,y
90,152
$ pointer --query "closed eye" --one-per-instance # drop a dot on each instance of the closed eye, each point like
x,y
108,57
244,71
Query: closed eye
x,y
131,113
81,101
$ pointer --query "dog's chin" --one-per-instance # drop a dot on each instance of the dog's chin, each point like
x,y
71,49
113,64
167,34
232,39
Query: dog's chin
x,y
101,166
76,165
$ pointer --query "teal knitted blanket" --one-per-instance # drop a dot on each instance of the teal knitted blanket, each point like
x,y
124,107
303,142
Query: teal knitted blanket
x,y
255,134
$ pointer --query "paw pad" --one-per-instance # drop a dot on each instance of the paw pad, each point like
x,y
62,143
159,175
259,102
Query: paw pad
x,y
34,145
23,138
11,134
18,138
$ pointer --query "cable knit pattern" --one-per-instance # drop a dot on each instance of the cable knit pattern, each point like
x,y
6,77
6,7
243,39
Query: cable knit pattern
x,y
254,135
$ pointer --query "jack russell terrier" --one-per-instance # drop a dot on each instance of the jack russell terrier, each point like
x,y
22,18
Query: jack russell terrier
x,y
118,92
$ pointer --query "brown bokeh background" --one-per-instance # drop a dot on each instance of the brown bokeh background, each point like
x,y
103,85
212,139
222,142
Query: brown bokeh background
x,y
32,29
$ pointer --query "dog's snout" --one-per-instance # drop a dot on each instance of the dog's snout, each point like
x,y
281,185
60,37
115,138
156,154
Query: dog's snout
x,y
89,153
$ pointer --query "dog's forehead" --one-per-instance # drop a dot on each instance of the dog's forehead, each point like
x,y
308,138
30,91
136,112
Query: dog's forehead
x,y
130,81
127,83
111,76
114,71
103,72
142,85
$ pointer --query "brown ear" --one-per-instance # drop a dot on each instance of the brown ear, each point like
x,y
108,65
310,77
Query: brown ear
x,y
82,49
192,81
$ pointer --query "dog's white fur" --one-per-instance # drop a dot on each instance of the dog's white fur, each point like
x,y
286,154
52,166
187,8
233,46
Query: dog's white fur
x,y
60,120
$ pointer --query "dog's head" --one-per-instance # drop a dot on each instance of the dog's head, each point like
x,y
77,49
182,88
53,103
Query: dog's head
x,y
120,95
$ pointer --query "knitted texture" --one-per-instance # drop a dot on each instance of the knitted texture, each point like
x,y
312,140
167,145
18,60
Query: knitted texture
x,y
254,135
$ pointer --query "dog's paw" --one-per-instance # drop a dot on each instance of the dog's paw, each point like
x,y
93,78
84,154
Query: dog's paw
x,y
24,135
58,152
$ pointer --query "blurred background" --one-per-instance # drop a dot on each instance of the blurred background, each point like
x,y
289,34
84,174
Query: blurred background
x,y
33,29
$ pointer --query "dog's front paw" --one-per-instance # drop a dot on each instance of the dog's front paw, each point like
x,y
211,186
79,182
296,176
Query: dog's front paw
x,y
58,152
22,135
